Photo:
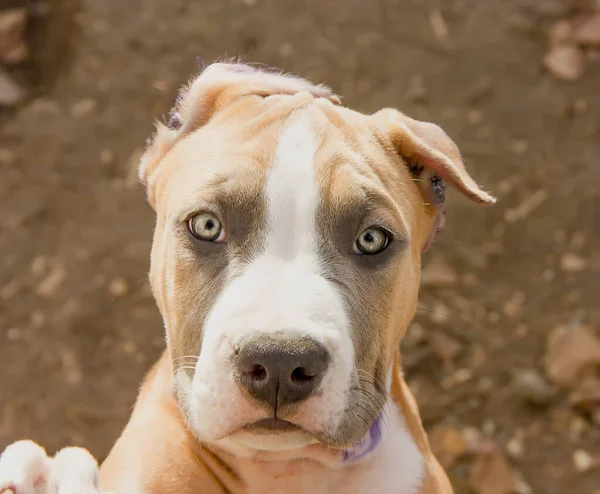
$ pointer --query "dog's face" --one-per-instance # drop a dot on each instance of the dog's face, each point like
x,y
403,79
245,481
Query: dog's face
x,y
286,256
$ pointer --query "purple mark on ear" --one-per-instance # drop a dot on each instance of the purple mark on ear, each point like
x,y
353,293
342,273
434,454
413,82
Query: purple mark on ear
x,y
367,444
201,64
242,68
175,122
438,190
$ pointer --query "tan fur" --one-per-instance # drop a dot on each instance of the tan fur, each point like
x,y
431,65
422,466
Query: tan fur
x,y
235,112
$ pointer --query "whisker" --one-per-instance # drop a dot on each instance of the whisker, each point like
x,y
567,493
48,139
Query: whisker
x,y
184,367
181,382
372,417
196,357
373,379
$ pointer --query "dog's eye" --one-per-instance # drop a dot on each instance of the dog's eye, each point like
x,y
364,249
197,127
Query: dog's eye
x,y
204,226
372,241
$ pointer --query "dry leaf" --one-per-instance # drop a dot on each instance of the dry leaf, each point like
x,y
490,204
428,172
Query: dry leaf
x,y
587,396
438,24
439,273
532,387
83,108
13,23
565,62
448,444
528,206
52,280
491,474
571,350
586,31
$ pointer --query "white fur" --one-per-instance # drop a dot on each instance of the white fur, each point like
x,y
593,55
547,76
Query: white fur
x,y
25,468
396,462
281,289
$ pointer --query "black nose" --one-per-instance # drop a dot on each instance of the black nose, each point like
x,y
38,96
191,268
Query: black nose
x,y
280,368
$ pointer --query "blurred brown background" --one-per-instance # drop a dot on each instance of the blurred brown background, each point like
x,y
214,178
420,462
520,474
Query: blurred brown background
x,y
504,352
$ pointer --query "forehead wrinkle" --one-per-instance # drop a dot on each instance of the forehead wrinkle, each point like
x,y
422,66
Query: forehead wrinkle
x,y
226,167
349,185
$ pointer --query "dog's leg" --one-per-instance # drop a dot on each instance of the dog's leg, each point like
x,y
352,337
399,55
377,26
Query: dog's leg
x,y
25,468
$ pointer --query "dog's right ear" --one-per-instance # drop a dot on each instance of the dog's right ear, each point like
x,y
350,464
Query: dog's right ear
x,y
219,85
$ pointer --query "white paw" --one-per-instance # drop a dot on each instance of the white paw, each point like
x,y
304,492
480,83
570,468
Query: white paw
x,y
26,469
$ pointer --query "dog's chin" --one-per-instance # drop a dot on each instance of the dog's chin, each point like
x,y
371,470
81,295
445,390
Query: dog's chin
x,y
272,435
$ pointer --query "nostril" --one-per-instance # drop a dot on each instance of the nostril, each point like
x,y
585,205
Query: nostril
x,y
258,373
300,375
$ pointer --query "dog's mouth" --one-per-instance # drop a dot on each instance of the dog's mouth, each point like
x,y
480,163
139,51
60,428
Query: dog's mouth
x,y
270,425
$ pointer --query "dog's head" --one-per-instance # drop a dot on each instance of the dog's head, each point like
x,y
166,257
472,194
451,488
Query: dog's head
x,y
286,255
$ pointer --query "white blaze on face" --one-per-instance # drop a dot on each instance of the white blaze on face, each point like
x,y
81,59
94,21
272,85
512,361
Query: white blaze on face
x,y
282,289
292,196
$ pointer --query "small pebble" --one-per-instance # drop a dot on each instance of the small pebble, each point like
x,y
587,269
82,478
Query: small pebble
x,y
440,314
52,281
129,347
83,108
107,157
548,275
513,306
286,50
583,461
118,287
572,263
7,157
565,62
11,92
488,427
515,447
161,85
13,334
519,147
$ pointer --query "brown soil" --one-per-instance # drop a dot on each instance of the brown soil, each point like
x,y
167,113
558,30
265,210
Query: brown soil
x,y
78,326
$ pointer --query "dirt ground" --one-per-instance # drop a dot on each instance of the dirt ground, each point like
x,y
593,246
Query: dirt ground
x,y
78,325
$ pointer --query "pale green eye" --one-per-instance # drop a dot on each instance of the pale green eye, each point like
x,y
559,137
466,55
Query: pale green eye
x,y
372,241
205,226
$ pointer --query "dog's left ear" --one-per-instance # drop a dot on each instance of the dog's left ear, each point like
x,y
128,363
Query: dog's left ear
x,y
215,88
432,157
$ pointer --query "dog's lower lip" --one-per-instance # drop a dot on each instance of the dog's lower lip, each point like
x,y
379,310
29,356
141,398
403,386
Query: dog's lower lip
x,y
274,425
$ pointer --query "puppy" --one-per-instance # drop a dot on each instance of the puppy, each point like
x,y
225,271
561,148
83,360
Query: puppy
x,y
286,264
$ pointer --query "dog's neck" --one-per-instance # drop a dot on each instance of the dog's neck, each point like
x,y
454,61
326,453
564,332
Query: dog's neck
x,y
388,455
